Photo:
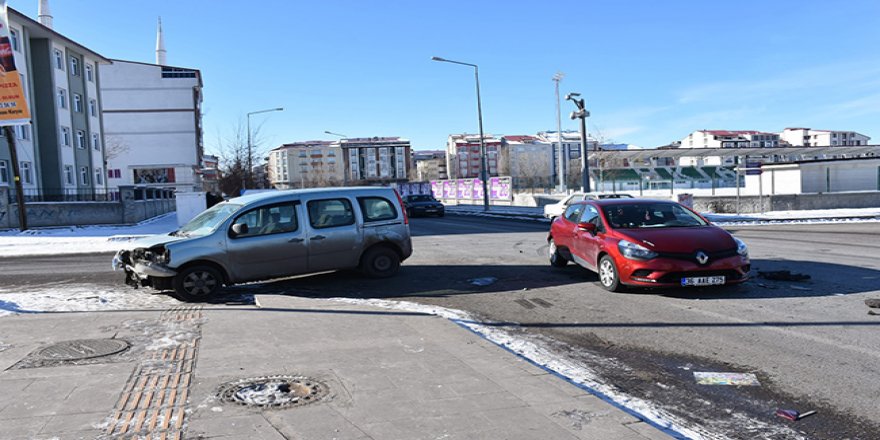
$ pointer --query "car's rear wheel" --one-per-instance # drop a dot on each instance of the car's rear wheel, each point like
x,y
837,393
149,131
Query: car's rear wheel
x,y
556,259
380,262
609,277
197,283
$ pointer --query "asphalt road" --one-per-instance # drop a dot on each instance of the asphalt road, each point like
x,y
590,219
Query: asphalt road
x,y
812,344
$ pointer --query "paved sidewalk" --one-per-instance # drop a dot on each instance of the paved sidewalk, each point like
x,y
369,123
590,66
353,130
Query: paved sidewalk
x,y
389,375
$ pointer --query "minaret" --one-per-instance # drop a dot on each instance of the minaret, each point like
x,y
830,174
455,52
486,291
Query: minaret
x,y
45,14
160,45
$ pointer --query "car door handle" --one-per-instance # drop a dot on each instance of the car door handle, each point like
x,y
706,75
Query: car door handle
x,y
318,237
296,240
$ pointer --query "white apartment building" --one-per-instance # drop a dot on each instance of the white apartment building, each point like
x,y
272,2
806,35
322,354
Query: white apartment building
x,y
430,165
307,164
530,159
724,139
571,147
381,160
60,154
153,125
463,158
807,137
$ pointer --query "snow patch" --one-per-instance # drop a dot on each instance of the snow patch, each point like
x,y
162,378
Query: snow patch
x,y
79,298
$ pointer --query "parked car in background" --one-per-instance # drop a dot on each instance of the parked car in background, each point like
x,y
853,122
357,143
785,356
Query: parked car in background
x,y
647,243
423,204
274,234
556,209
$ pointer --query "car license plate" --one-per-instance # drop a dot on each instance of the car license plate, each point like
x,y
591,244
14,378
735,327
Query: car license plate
x,y
702,281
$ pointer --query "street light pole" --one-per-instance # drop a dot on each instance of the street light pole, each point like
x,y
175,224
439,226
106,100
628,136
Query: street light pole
x,y
346,163
484,173
561,160
582,114
250,168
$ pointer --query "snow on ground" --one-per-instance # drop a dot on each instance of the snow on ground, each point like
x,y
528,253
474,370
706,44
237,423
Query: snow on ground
x,y
80,298
81,239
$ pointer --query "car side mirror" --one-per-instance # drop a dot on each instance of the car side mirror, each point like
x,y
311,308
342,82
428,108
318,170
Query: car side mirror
x,y
240,229
587,226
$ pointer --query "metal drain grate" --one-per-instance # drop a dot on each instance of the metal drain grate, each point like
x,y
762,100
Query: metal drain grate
x,y
273,391
81,349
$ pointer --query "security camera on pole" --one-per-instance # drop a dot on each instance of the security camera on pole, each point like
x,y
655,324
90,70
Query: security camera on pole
x,y
581,114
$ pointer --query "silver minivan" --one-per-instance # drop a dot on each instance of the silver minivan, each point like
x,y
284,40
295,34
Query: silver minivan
x,y
274,234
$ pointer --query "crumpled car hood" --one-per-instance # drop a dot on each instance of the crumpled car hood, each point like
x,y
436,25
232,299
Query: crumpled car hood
x,y
152,240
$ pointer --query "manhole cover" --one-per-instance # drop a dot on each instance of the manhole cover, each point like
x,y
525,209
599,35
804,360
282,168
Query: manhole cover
x,y
82,349
273,391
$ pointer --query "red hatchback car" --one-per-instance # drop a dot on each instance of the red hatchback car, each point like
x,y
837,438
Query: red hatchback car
x,y
646,243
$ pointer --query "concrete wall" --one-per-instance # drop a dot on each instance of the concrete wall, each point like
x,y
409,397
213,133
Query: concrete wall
x,y
787,202
136,205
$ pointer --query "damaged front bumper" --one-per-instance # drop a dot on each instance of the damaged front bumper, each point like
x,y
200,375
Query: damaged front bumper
x,y
140,270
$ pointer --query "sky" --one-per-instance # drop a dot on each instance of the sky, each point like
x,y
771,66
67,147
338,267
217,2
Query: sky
x,y
651,72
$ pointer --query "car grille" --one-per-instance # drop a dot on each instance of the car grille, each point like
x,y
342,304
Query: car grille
x,y
717,255
675,277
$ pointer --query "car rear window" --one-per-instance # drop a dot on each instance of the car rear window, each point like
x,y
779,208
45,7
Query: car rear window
x,y
377,209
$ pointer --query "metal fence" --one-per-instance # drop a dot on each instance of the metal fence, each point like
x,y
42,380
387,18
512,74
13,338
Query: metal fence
x,y
32,195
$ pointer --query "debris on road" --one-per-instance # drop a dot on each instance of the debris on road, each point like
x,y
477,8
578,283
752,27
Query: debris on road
x,y
738,379
873,312
783,275
800,288
482,282
873,303
793,415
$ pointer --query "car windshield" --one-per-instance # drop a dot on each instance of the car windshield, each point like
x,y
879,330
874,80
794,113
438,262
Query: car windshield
x,y
207,221
651,215
420,198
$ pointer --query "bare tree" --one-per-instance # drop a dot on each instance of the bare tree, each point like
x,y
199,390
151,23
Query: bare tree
x,y
113,147
235,155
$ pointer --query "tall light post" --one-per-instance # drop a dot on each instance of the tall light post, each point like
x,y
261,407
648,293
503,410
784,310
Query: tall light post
x,y
581,114
250,169
346,163
561,160
484,173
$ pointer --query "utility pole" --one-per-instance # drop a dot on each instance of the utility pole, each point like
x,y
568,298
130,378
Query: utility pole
x,y
19,191
560,162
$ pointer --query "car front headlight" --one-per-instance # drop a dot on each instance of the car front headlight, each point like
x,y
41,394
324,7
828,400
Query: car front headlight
x,y
635,251
741,247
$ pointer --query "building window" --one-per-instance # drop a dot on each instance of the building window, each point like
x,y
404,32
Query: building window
x,y
4,172
80,139
99,176
65,136
93,108
59,60
89,75
74,66
26,172
13,39
62,98
23,132
68,174
96,143
77,103
84,175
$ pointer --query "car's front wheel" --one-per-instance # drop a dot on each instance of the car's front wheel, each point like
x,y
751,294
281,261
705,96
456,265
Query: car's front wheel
x,y
380,262
197,283
556,259
609,277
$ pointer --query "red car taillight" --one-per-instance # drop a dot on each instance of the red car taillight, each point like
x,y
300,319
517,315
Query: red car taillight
x,y
400,201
